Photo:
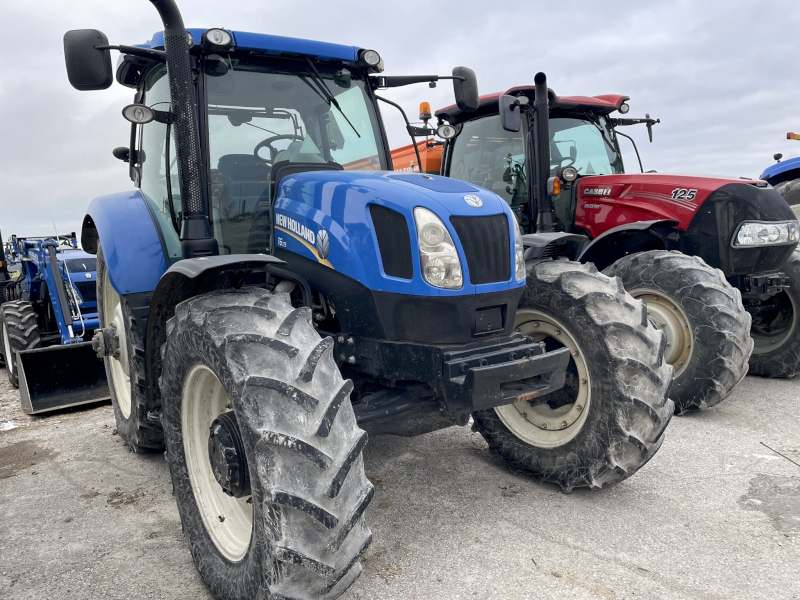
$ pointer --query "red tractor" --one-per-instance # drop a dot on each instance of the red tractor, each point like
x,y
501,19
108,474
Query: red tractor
x,y
714,258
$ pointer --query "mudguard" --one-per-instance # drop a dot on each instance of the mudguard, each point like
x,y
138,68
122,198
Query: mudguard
x,y
536,244
186,279
606,248
782,171
132,248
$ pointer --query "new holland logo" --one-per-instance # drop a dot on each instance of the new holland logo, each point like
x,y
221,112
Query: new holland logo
x,y
290,224
473,201
597,191
323,244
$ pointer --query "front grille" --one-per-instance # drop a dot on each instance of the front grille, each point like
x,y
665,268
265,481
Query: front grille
x,y
486,247
87,290
394,241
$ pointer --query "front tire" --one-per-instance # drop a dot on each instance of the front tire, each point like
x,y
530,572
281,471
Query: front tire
x,y
20,332
776,329
125,372
702,315
300,534
609,418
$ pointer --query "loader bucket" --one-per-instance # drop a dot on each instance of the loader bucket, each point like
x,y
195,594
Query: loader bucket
x,y
60,376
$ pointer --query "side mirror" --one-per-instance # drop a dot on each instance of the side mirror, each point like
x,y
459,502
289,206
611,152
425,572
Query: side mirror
x,y
465,87
88,67
510,118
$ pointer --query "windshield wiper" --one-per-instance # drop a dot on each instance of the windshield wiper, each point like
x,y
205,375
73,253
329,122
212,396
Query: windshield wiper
x,y
594,120
326,93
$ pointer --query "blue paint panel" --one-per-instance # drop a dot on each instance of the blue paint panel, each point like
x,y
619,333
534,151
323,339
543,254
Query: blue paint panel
x,y
780,168
436,183
132,249
338,202
273,44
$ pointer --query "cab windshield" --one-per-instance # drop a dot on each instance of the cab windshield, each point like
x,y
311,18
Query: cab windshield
x,y
586,143
264,113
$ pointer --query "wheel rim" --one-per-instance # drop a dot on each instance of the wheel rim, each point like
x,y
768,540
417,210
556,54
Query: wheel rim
x,y
120,378
229,521
665,315
542,425
764,342
7,349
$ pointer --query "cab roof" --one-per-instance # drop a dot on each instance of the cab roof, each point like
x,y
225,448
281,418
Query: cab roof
x,y
603,104
272,44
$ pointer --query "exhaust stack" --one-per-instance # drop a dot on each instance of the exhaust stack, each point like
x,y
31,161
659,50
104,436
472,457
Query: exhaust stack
x,y
196,236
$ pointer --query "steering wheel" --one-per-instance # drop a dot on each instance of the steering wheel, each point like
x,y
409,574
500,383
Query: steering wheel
x,y
267,143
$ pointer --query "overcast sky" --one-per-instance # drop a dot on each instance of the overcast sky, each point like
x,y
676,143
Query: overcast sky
x,y
721,75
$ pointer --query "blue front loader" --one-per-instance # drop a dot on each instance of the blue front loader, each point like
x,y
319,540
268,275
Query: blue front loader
x,y
49,316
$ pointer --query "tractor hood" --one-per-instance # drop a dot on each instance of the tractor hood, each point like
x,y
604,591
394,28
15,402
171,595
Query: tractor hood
x,y
709,210
339,207
649,196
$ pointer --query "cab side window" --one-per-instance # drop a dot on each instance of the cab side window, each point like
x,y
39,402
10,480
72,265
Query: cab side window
x,y
152,161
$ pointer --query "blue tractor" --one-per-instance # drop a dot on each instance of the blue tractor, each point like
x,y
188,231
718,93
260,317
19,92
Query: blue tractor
x,y
785,177
49,315
271,294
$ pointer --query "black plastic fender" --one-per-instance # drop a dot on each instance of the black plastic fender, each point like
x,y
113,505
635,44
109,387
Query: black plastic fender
x,y
192,277
607,248
535,244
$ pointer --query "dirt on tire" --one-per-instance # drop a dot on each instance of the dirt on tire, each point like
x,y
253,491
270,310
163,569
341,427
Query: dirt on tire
x,y
301,440
140,433
629,408
717,320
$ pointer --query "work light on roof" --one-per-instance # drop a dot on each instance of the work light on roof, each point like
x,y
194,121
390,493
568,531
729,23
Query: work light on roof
x,y
218,39
624,108
371,58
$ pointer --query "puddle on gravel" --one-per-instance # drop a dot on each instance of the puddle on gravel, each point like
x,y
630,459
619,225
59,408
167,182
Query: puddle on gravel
x,y
778,497
21,456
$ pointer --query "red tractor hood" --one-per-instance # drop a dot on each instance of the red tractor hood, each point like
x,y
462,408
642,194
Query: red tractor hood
x,y
607,201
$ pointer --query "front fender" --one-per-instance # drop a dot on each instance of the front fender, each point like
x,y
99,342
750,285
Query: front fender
x,y
615,243
122,224
186,279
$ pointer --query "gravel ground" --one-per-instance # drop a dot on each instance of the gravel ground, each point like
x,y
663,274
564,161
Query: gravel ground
x,y
715,514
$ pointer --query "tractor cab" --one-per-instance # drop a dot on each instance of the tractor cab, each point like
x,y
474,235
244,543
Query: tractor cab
x,y
582,136
264,116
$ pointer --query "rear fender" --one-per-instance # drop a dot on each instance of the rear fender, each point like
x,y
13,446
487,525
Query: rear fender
x,y
192,277
626,239
134,255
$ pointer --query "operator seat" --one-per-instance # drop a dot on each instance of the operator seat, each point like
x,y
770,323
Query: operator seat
x,y
246,180
259,240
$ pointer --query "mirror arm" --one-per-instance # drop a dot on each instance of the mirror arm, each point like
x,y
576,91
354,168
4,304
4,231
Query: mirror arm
x,y
408,127
157,55
641,168
390,81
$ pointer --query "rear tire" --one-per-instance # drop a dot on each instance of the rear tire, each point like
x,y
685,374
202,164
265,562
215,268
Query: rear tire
x,y
707,327
790,190
609,419
302,533
125,374
20,332
777,334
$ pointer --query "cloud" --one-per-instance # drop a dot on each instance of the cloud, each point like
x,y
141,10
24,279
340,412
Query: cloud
x,y
719,74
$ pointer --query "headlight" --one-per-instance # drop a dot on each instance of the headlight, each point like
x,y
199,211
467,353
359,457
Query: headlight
x,y
519,251
439,260
765,234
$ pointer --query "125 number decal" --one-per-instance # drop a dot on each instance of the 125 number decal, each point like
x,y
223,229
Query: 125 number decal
x,y
683,194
